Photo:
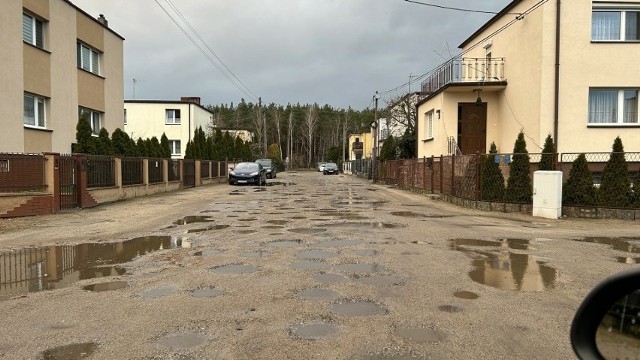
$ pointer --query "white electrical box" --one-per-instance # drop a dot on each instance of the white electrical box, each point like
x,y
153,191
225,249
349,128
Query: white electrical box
x,y
547,194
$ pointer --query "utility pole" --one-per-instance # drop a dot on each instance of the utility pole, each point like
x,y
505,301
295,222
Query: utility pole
x,y
264,126
375,141
344,136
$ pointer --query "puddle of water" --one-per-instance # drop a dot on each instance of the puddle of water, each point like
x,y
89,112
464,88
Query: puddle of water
x,y
409,214
364,225
207,252
357,308
367,252
337,243
307,230
318,294
182,341
620,244
285,243
380,280
112,285
248,219
280,183
235,269
256,254
193,219
37,269
158,292
450,308
214,227
516,244
310,265
316,330
248,231
468,295
206,293
316,254
278,222
273,227
70,352
628,260
329,278
536,225
298,217
360,268
421,335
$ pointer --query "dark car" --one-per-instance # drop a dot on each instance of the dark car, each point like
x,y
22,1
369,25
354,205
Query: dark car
x,y
267,164
248,173
330,168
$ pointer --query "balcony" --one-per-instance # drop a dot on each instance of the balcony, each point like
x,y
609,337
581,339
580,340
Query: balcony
x,y
465,70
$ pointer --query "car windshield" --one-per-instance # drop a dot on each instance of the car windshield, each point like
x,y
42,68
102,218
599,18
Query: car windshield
x,y
247,167
330,166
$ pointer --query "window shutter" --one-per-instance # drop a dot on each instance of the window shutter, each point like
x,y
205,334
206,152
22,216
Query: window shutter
x,y
86,58
27,28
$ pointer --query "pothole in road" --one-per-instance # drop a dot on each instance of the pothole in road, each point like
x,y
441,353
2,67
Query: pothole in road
x,y
619,244
182,341
235,269
208,228
337,243
278,222
329,278
318,294
450,308
248,219
467,295
280,183
310,265
70,352
298,217
360,268
628,260
364,225
247,231
207,252
315,330
307,231
316,254
256,254
421,335
285,243
503,269
380,280
357,308
273,227
205,293
408,214
82,262
193,219
158,292
107,286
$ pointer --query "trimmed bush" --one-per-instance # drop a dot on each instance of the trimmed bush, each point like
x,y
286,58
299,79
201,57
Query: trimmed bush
x,y
519,188
492,181
548,152
615,187
579,189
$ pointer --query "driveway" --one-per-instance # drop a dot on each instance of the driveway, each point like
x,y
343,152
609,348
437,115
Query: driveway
x,y
309,267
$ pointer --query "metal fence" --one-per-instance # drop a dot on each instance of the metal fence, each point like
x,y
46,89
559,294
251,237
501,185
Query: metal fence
x,y
155,170
132,171
101,171
22,172
205,171
224,167
174,170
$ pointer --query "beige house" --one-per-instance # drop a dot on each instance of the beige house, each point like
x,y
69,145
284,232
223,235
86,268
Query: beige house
x,y
562,68
176,119
68,62
360,146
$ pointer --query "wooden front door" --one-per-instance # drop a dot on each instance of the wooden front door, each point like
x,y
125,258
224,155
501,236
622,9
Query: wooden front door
x,y
472,128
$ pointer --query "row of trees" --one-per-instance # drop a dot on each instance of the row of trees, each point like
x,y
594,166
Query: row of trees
x,y
218,146
615,190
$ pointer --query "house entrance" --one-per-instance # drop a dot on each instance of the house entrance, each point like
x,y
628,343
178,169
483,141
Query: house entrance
x,y
472,128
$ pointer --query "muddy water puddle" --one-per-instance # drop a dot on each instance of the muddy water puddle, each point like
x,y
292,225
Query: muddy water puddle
x,y
316,254
329,278
193,219
357,308
183,341
27,270
235,269
208,228
207,252
70,352
256,254
318,294
278,222
630,245
450,308
315,330
496,265
467,295
107,286
310,265
307,231
408,214
364,225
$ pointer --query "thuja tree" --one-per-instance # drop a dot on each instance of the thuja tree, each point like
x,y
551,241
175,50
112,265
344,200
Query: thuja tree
x,y
165,146
615,186
548,152
85,143
519,184
388,150
635,189
492,181
579,190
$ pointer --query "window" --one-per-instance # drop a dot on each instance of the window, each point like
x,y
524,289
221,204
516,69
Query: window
x,y
88,59
125,116
175,147
32,30
34,111
172,116
428,125
615,24
613,107
95,119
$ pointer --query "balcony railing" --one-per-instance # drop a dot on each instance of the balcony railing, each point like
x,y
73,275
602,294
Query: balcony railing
x,y
465,70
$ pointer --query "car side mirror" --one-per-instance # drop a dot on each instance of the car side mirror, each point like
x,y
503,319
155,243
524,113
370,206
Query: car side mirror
x,y
607,323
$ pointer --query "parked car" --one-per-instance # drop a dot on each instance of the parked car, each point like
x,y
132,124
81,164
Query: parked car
x,y
267,164
321,166
330,168
248,173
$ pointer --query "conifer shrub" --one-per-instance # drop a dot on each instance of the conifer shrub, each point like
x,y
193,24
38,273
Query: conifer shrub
x,y
615,187
519,184
492,181
548,152
579,189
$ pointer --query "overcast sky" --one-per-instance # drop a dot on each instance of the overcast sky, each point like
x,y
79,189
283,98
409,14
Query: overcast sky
x,y
336,52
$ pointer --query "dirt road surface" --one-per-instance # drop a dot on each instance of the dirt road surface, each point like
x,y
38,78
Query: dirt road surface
x,y
310,267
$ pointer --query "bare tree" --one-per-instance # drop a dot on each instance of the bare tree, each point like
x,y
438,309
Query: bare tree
x,y
310,122
290,137
276,117
402,115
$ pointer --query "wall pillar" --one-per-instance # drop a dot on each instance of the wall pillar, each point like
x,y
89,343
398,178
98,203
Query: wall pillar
x,y
52,179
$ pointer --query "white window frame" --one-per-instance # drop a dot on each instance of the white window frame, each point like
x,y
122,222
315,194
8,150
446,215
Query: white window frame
x,y
93,60
621,9
620,108
170,117
175,147
428,124
39,106
34,25
95,118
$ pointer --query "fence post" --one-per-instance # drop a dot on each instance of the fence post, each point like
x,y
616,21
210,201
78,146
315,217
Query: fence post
x,y
165,172
52,179
197,167
424,173
83,194
441,175
433,175
181,167
453,174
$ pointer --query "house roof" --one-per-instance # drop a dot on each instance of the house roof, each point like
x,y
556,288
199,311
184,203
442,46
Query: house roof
x,y
484,27
167,102
93,18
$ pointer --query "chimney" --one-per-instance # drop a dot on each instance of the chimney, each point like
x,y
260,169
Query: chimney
x,y
191,99
103,20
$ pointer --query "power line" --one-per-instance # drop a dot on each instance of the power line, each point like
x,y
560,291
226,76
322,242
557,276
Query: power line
x,y
236,82
455,8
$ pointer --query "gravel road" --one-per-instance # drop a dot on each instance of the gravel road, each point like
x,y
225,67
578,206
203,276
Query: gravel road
x,y
309,267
